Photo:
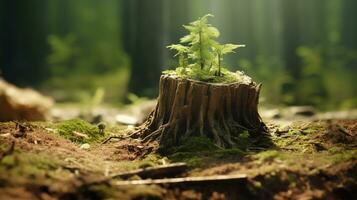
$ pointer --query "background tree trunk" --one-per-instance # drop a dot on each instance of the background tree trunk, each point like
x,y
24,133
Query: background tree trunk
x,y
23,41
188,108
143,36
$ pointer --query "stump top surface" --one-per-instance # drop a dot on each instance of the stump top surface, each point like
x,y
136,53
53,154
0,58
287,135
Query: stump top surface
x,y
178,78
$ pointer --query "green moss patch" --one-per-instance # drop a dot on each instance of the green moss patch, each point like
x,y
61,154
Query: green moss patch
x,y
208,75
196,151
266,155
196,144
21,167
78,131
346,155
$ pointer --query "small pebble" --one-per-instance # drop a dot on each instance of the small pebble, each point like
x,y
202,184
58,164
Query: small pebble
x,y
85,146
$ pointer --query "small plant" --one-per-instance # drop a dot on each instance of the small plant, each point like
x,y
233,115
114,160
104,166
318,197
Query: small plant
x,y
201,56
182,53
222,50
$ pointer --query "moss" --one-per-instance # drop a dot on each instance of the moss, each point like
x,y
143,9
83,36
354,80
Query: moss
x,y
38,161
229,152
266,155
243,140
334,150
296,142
192,159
310,130
191,150
196,150
149,192
68,129
99,191
346,155
149,161
196,144
262,142
21,167
294,132
209,75
146,164
105,191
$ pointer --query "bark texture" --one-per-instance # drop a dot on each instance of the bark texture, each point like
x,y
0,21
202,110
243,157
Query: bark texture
x,y
188,108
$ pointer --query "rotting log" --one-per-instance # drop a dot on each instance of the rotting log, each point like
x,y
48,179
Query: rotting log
x,y
189,108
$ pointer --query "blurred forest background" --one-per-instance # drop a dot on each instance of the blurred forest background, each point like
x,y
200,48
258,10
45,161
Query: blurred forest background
x,y
303,51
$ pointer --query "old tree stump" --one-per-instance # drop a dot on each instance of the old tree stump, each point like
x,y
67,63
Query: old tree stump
x,y
189,108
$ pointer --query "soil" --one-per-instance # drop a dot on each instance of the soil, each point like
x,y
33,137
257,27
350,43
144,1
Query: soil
x,y
297,160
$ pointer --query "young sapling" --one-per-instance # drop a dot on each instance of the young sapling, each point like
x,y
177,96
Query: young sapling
x,y
182,54
222,50
201,56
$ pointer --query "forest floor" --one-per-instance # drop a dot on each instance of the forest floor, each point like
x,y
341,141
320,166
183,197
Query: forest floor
x,y
296,160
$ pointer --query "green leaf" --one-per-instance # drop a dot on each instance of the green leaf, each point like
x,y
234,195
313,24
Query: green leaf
x,y
213,32
191,28
179,48
187,39
226,48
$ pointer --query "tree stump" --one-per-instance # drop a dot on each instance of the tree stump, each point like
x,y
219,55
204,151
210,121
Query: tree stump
x,y
189,108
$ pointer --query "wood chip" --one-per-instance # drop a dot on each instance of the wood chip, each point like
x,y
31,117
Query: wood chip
x,y
80,135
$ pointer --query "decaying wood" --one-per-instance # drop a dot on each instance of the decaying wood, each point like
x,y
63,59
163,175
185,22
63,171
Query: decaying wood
x,y
192,108
155,172
190,181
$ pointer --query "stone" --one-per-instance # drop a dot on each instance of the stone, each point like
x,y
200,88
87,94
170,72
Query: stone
x,y
85,146
22,104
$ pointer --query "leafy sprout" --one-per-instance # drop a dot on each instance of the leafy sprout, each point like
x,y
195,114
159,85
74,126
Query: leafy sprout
x,y
200,40
222,50
181,52
200,55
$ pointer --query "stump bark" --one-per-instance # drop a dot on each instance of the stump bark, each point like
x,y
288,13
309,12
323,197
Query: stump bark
x,y
188,108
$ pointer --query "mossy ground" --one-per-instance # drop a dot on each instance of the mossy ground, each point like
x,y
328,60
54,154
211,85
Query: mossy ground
x,y
78,131
312,160
198,151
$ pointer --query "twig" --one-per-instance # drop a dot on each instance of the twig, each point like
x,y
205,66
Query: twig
x,y
120,137
155,172
189,181
257,148
112,137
